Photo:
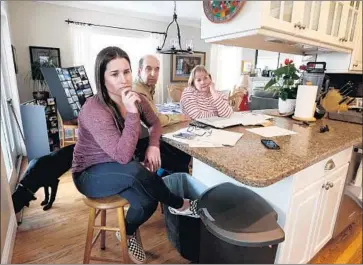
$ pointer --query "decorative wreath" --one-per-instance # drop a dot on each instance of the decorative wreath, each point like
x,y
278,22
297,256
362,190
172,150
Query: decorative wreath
x,y
222,11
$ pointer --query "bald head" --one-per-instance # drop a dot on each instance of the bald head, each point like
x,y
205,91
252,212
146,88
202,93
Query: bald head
x,y
148,71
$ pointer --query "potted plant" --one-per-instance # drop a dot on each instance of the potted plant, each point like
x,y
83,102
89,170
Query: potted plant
x,y
284,83
36,78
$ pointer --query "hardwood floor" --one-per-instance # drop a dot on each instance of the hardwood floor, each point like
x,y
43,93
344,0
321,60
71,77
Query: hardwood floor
x,y
58,235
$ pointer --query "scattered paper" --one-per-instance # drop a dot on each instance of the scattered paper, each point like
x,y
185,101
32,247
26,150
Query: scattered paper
x,y
206,138
169,108
271,131
237,118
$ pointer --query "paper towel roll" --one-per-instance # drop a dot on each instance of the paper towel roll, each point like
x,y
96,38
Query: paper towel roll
x,y
305,101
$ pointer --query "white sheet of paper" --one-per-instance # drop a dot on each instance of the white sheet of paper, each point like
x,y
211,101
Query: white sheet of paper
x,y
271,131
237,118
218,138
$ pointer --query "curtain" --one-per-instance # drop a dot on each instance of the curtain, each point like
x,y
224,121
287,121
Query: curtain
x,y
81,39
225,66
160,91
87,42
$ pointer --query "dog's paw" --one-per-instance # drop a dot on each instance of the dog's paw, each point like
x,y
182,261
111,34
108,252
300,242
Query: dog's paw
x,y
47,207
44,203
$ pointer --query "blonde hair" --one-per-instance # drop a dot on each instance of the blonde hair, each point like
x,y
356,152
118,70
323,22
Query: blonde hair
x,y
198,68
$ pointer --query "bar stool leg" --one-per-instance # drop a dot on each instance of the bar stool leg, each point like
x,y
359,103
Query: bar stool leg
x,y
88,247
103,232
121,222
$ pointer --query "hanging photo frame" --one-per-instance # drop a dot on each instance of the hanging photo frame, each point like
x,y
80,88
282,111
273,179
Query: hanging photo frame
x,y
43,56
183,64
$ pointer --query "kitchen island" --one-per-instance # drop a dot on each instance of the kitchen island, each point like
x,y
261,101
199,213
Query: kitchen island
x,y
303,181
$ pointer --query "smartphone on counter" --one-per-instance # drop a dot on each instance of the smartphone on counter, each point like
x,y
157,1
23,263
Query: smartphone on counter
x,y
270,144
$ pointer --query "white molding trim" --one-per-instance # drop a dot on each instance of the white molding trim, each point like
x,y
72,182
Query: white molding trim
x,y
7,253
189,22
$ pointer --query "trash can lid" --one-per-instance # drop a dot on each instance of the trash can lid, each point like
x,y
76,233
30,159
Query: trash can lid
x,y
239,216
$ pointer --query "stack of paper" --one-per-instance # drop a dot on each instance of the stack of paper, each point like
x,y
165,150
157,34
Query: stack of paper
x,y
237,118
211,138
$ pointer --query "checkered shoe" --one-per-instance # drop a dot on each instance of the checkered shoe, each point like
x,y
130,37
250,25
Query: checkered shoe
x,y
136,252
191,211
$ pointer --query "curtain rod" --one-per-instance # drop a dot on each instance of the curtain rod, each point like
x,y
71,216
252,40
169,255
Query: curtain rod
x,y
113,27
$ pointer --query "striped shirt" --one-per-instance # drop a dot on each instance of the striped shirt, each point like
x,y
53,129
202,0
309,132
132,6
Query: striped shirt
x,y
198,104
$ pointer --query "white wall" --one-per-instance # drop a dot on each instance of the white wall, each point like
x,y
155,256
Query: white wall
x,y
41,24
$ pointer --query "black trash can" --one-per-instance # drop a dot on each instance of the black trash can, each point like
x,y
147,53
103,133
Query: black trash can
x,y
183,231
239,226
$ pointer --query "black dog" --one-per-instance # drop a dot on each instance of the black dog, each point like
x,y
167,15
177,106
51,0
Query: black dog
x,y
43,172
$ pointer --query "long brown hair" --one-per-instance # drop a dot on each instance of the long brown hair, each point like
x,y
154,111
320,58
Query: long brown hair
x,y
103,58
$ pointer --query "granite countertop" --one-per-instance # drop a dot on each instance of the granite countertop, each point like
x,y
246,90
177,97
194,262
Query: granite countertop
x,y
252,164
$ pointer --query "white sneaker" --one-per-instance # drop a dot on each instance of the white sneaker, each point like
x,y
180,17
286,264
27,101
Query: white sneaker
x,y
191,211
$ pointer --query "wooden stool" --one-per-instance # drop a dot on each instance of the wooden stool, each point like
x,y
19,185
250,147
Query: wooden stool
x,y
101,205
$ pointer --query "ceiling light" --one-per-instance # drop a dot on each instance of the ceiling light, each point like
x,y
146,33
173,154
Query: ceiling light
x,y
175,44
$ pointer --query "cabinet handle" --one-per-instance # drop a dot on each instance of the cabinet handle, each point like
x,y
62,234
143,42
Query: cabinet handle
x,y
331,185
329,165
303,26
297,25
325,186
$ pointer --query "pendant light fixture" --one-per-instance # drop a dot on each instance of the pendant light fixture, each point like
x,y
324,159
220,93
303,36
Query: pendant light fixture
x,y
175,44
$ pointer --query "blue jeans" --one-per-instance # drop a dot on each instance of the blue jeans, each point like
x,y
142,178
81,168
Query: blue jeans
x,y
142,188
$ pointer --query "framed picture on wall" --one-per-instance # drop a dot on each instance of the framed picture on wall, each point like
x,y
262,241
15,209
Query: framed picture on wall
x,y
43,55
183,64
246,67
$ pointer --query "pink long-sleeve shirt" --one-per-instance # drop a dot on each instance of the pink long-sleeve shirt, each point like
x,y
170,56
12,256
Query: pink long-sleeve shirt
x,y
198,104
100,140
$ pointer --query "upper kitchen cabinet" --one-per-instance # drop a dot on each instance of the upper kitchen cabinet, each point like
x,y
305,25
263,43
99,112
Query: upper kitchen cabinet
x,y
300,18
299,27
347,63
356,59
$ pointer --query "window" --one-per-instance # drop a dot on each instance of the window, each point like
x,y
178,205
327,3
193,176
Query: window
x,y
10,137
88,42
267,59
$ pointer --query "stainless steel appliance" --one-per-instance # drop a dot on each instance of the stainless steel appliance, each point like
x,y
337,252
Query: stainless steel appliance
x,y
351,204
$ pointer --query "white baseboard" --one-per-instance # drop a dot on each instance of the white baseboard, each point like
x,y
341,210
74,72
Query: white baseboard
x,y
9,241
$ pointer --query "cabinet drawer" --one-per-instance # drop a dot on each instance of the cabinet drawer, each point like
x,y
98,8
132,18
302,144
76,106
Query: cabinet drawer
x,y
315,172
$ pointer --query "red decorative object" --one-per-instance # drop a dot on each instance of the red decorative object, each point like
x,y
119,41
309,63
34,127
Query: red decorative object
x,y
222,11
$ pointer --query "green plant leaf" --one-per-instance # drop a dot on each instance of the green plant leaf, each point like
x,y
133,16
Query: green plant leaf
x,y
270,83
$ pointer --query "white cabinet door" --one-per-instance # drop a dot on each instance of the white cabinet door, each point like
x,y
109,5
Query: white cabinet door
x,y
356,61
302,217
332,189
332,11
346,25
281,16
311,19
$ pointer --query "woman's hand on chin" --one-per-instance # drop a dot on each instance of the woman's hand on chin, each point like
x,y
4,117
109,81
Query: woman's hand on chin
x,y
130,99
